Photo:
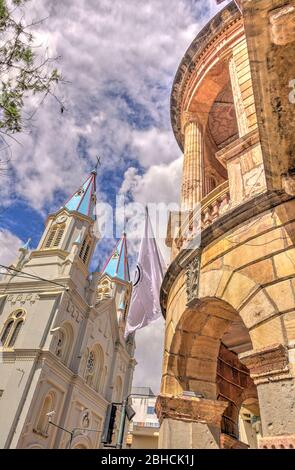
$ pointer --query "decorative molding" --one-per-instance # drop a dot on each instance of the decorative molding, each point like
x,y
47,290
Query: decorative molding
x,y
190,409
271,362
277,442
74,311
23,298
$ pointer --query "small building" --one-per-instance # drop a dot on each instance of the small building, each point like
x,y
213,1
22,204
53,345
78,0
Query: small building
x,y
143,430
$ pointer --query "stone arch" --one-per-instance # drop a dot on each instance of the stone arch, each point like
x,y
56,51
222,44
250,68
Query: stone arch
x,y
35,446
249,299
192,356
203,359
48,405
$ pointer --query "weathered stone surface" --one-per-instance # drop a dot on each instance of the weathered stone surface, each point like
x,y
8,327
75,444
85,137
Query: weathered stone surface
x,y
277,407
257,309
269,332
176,434
282,295
209,283
238,290
285,263
289,323
256,249
268,361
215,327
260,272
190,409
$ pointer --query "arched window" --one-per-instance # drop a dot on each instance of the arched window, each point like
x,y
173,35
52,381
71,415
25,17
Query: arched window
x,y
15,333
54,236
94,368
60,344
85,249
63,342
43,419
12,328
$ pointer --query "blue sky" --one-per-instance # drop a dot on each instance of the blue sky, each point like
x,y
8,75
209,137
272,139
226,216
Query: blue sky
x,y
119,59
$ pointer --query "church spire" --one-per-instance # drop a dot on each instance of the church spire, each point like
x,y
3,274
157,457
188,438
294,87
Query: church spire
x,y
84,200
117,265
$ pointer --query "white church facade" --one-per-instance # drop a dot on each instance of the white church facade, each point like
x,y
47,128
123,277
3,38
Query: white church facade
x,y
62,346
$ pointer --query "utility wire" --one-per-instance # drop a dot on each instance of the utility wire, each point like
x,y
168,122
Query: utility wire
x,y
32,276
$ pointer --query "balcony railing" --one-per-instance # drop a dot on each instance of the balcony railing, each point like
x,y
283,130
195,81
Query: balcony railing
x,y
215,204
184,226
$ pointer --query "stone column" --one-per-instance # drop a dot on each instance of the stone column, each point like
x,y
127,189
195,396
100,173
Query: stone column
x,y
192,165
189,422
272,370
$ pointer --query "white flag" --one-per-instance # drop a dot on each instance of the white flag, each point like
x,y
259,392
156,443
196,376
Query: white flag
x,y
145,300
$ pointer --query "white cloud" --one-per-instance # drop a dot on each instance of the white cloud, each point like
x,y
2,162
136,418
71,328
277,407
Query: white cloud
x,y
153,146
120,58
9,244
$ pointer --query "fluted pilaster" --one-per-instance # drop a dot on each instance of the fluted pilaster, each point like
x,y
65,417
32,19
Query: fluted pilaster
x,y
238,99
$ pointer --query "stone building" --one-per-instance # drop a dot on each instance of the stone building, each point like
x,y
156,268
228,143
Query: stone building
x,y
61,329
228,295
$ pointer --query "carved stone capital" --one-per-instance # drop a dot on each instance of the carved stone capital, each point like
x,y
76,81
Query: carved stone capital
x,y
190,409
282,21
187,117
267,362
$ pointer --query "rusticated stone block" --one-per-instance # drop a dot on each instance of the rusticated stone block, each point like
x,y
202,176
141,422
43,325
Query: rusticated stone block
x,y
282,295
238,290
285,263
261,272
258,309
269,332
